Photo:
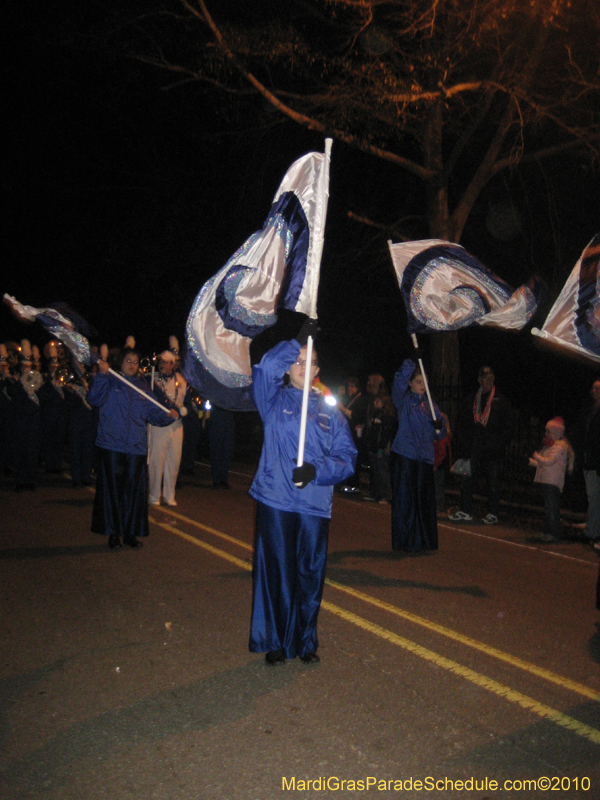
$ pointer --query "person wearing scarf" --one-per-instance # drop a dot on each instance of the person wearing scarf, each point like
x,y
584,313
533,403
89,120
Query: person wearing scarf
x,y
484,430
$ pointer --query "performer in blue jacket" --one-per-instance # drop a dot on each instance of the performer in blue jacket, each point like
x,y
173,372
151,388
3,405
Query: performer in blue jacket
x,y
121,501
293,503
414,518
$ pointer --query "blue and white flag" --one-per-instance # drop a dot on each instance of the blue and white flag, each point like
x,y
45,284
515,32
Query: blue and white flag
x,y
574,319
445,288
61,322
277,267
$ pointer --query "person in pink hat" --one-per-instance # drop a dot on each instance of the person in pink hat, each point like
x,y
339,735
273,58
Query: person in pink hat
x,y
552,462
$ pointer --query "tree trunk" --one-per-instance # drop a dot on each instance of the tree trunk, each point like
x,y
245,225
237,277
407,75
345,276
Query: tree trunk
x,y
444,353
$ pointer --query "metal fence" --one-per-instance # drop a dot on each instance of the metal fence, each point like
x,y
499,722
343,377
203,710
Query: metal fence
x,y
516,474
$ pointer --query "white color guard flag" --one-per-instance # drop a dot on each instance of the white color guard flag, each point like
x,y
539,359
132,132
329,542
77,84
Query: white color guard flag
x,y
445,288
277,267
574,319
62,322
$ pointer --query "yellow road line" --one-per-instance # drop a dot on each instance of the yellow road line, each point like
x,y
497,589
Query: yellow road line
x,y
202,527
514,661
540,672
215,550
441,661
474,677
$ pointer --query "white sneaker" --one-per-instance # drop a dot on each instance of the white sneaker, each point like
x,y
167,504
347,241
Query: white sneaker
x,y
171,502
153,502
490,519
460,516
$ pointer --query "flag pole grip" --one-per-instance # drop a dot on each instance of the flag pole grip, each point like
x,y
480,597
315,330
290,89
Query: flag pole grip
x,y
139,391
413,336
304,412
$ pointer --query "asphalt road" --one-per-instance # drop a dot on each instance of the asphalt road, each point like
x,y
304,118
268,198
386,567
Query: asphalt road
x,y
127,675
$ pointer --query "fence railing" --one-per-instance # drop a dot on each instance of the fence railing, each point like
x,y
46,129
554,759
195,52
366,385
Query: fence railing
x,y
516,474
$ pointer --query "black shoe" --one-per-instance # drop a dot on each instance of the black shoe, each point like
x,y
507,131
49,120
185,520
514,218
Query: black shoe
x,y
310,658
274,657
131,541
114,541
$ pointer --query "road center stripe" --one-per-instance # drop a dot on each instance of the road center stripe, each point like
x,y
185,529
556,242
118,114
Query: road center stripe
x,y
476,678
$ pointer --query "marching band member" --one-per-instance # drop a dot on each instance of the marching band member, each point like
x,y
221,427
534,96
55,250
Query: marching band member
x,y
53,411
24,420
170,388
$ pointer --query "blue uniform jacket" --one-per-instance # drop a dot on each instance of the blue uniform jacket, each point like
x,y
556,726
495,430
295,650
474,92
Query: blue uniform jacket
x,y
124,414
415,426
328,446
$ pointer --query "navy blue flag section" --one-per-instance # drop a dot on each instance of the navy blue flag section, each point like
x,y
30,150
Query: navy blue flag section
x,y
276,267
574,319
445,288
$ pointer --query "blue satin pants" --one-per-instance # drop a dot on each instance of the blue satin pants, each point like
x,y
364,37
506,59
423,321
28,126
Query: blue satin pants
x,y
414,517
121,501
290,556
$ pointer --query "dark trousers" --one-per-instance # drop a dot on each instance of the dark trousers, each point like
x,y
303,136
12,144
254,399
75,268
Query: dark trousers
x,y
414,518
121,500
381,486
491,468
551,495
290,556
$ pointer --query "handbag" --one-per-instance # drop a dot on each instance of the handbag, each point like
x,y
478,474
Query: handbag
x,y
462,466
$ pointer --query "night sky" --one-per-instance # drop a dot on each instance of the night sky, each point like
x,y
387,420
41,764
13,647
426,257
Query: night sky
x,y
123,199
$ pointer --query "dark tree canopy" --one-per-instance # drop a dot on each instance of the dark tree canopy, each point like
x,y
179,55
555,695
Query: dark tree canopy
x,y
147,139
450,94
450,91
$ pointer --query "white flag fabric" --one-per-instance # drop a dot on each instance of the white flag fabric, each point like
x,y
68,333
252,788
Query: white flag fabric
x,y
574,319
277,267
445,288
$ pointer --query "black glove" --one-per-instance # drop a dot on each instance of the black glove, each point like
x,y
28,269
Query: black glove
x,y
303,475
309,328
438,424
417,354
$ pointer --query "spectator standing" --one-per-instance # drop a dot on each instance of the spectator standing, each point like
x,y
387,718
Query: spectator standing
x,y
588,457
552,462
442,462
484,424
354,408
380,428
